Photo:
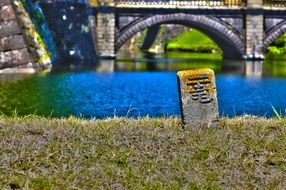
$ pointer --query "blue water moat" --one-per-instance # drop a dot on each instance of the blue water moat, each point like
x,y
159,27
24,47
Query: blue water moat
x,y
143,87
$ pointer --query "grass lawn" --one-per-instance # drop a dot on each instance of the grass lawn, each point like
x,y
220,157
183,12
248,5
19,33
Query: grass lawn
x,y
120,153
193,41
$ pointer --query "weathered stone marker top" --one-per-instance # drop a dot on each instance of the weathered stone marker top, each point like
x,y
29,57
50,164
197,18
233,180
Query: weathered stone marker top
x,y
198,98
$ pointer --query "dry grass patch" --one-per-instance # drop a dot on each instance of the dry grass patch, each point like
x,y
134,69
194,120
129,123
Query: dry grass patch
x,y
120,153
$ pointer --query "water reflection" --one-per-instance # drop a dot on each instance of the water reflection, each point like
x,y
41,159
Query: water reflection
x,y
235,67
253,69
105,65
274,66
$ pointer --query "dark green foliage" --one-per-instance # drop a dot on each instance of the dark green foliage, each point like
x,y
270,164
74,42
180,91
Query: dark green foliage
x,y
278,46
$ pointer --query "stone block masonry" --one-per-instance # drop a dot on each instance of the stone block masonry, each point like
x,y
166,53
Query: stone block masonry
x,y
105,45
7,13
198,98
20,47
13,49
10,28
14,58
254,34
4,2
12,43
254,30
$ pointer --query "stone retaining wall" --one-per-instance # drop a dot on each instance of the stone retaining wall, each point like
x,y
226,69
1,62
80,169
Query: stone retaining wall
x,y
21,48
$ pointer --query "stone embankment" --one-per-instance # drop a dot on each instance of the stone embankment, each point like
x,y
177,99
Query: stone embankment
x,y
21,47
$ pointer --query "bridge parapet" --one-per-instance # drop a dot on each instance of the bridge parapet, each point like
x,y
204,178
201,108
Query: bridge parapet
x,y
274,3
188,3
185,3
95,3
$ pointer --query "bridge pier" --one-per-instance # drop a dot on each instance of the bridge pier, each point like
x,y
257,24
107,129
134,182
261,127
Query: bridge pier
x,y
150,37
105,33
254,30
102,26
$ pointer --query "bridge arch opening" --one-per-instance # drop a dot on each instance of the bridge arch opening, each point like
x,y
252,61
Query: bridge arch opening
x,y
222,34
197,42
276,33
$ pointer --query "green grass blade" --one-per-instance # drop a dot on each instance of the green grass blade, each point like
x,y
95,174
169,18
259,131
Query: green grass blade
x,y
276,112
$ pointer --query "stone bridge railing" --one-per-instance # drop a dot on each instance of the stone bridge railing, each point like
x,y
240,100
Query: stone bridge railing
x,y
274,3
188,3
212,3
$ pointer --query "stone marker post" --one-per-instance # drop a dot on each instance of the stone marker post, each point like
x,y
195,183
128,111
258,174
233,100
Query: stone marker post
x,y
198,98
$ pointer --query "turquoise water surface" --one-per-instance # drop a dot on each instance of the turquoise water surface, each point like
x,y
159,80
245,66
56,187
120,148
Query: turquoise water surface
x,y
141,87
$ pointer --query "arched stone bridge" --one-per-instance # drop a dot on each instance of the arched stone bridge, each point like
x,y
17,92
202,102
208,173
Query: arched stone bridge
x,y
241,28
223,35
